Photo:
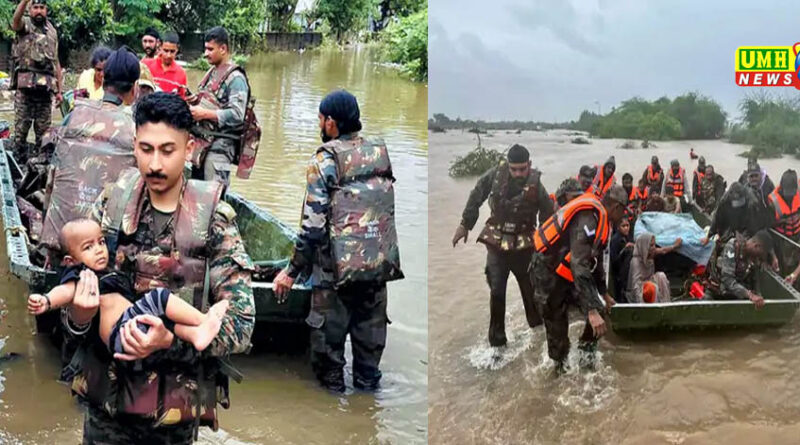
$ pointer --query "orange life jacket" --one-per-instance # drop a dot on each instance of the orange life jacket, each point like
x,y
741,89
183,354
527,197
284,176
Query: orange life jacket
x,y
787,218
700,176
600,184
652,177
551,230
676,182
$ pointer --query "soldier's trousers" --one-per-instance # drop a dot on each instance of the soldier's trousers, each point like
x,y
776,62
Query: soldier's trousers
x,y
498,266
553,296
99,428
31,107
360,311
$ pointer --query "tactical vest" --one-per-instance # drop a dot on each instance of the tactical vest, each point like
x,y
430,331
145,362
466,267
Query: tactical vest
x,y
94,147
247,138
167,392
551,231
742,268
676,182
513,218
34,56
361,226
787,218
601,185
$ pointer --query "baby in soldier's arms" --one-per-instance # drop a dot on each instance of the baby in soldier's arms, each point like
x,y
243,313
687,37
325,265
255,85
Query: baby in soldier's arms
x,y
85,248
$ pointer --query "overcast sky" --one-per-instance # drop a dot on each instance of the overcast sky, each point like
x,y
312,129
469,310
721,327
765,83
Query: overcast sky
x,y
548,60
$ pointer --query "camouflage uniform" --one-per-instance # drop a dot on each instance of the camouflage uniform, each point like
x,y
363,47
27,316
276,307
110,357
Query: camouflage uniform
x,y
554,295
358,310
711,192
731,274
508,253
232,96
229,274
35,54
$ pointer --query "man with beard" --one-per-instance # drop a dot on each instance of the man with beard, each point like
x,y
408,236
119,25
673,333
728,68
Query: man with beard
x,y
567,269
785,201
765,184
228,84
586,177
763,216
653,176
37,72
151,40
342,306
517,200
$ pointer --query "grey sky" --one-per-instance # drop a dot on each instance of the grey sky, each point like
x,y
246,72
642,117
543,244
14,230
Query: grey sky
x,y
550,59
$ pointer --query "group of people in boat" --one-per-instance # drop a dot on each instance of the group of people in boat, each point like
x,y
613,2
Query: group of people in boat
x,y
154,279
554,243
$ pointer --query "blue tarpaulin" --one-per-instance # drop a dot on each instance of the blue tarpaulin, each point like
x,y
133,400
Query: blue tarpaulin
x,y
667,227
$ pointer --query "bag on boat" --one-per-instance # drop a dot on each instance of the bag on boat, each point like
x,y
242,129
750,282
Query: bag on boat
x,y
668,227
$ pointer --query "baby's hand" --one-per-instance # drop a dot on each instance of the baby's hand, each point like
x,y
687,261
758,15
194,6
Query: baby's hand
x,y
37,304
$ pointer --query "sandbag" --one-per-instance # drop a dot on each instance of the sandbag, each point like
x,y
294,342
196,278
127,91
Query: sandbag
x,y
667,227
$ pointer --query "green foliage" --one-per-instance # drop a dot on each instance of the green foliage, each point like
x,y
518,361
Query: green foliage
x,y
690,116
475,163
81,23
132,17
441,120
280,14
343,16
406,42
240,59
770,124
6,14
200,64
241,19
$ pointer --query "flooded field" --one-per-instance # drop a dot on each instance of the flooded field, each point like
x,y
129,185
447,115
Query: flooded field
x,y
715,388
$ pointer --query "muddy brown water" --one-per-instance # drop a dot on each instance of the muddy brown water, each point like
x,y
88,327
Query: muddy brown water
x,y
715,388
279,402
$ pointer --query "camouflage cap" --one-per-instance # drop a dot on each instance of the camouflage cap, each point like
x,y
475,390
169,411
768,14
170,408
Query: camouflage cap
x,y
617,193
569,187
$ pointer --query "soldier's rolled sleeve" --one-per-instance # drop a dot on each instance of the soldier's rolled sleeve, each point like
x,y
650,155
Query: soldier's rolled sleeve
x,y
230,272
582,260
313,228
232,114
727,266
477,196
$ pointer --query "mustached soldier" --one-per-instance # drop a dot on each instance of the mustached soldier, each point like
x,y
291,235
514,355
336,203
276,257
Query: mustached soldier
x,y
516,197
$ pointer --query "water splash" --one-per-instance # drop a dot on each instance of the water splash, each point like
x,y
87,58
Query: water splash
x,y
485,357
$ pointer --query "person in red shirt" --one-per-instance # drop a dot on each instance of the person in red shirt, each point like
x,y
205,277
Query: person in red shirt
x,y
169,76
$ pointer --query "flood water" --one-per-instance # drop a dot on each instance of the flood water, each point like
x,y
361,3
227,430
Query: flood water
x,y
715,388
279,401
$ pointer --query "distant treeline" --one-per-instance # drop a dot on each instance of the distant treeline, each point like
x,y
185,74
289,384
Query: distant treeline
x,y
770,124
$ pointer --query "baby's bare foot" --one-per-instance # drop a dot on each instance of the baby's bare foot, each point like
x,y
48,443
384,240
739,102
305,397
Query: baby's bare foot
x,y
204,333
219,308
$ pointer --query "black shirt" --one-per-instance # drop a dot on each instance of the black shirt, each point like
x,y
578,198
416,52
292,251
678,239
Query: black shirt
x,y
109,281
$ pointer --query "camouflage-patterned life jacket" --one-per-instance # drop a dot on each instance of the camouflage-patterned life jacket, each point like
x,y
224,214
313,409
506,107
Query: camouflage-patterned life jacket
x,y
34,56
167,392
362,230
94,147
510,227
247,138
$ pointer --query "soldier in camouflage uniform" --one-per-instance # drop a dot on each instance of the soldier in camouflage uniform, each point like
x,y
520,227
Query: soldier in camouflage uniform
x,y
336,311
732,273
580,246
160,241
516,198
712,187
229,86
37,72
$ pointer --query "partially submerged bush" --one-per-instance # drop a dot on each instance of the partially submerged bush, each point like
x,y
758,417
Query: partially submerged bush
x,y
475,163
580,140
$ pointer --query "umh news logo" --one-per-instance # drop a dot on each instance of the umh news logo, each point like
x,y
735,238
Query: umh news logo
x,y
768,66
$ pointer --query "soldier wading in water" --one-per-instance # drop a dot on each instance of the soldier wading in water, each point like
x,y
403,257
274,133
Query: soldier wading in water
x,y
516,198
348,241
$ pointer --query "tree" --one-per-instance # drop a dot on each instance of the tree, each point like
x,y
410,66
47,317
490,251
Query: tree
x,y
397,8
242,18
132,17
81,23
343,16
280,13
406,43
